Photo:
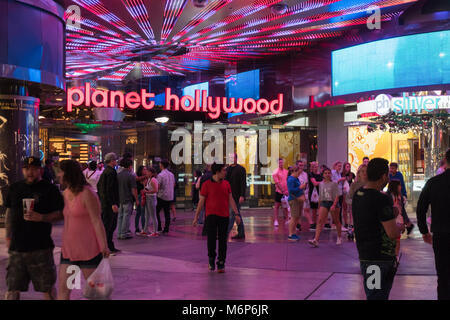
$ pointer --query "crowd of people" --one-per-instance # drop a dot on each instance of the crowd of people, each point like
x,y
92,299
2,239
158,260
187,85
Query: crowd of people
x,y
96,202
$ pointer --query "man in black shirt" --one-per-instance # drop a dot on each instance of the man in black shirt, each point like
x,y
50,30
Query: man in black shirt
x,y
29,243
108,191
437,193
237,177
376,232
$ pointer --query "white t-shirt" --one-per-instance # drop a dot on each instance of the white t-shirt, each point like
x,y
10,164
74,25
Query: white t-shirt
x,y
92,177
303,178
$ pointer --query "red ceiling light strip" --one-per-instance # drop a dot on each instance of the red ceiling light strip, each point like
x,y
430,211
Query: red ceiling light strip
x,y
172,11
138,11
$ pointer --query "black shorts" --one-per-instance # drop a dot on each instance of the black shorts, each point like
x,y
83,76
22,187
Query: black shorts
x,y
93,263
314,205
36,266
278,197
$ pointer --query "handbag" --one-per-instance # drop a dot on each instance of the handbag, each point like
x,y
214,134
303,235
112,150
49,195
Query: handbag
x,y
315,196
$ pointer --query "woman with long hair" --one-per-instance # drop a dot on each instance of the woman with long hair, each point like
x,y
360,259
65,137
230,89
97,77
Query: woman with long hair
x,y
151,190
84,239
395,191
329,197
350,176
142,172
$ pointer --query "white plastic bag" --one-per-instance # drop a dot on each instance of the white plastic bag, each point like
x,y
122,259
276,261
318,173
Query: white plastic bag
x,y
100,284
285,202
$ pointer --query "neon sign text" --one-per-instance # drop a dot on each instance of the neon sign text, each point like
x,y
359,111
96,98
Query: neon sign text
x,y
199,103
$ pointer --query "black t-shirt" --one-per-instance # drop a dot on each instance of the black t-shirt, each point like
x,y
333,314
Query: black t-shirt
x,y
370,208
318,177
26,235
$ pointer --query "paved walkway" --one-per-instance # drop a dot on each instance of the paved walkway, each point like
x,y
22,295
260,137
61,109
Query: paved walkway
x,y
265,266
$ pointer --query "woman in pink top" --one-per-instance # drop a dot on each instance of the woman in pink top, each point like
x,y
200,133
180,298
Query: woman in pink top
x,y
84,237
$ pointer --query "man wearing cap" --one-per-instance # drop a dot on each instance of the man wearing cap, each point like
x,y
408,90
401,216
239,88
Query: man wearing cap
x,y
108,191
29,242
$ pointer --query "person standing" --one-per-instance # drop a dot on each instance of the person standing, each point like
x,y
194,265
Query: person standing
x,y
350,176
436,193
336,176
108,191
141,173
195,190
49,173
150,191
296,200
127,197
207,175
376,232
217,198
303,178
395,191
92,175
166,186
82,216
28,240
237,178
394,174
314,180
328,199
280,179
360,181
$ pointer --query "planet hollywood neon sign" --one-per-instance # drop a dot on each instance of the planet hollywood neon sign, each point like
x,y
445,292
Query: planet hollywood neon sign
x,y
201,102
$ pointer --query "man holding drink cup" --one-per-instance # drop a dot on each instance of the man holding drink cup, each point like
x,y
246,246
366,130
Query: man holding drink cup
x,y
32,205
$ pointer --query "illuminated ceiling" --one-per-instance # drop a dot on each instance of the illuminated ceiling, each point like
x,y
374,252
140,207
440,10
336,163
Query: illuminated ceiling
x,y
144,38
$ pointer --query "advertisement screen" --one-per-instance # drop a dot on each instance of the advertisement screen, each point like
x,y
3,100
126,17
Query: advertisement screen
x,y
190,90
402,62
243,85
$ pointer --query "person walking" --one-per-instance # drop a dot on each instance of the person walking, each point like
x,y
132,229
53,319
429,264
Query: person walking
x,y
31,205
166,186
82,215
237,178
314,180
336,176
350,176
296,200
141,173
376,231
328,198
217,198
92,175
108,191
280,179
150,191
127,197
436,193
394,174
360,181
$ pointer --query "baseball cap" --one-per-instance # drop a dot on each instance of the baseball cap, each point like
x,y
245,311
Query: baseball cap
x,y
32,161
110,157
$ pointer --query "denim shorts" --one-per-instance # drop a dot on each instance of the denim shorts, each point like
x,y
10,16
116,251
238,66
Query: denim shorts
x,y
93,263
326,204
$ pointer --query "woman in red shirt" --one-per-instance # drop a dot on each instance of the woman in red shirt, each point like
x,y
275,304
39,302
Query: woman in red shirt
x,y
215,195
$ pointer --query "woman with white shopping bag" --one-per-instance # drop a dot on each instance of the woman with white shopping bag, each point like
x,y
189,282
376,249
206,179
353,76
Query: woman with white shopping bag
x,y
84,238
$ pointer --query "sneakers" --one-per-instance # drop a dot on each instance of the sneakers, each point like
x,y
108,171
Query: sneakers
x,y
313,243
238,237
221,267
115,252
338,241
275,223
127,237
212,264
142,234
312,226
327,226
294,237
153,234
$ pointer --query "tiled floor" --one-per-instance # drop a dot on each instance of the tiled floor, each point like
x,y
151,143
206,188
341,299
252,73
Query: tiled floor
x,y
265,266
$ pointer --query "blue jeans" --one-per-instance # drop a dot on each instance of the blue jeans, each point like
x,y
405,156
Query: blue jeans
x,y
125,211
201,217
140,217
241,231
387,269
